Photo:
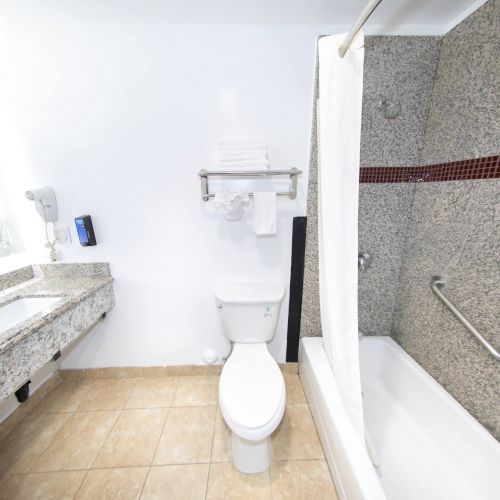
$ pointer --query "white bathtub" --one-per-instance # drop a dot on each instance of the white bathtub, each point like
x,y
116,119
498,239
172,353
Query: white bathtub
x,y
430,447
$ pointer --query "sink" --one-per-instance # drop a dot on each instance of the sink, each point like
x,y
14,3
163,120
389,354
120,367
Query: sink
x,y
22,309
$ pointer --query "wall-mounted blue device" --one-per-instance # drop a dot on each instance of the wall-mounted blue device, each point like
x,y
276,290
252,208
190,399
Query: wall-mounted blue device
x,y
85,231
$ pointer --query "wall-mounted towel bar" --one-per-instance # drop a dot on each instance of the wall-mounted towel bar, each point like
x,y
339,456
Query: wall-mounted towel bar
x,y
292,173
437,285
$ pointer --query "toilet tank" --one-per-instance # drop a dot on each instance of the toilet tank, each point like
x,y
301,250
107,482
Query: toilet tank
x,y
250,311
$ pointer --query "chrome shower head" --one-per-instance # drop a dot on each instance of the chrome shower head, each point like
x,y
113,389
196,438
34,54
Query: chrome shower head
x,y
390,108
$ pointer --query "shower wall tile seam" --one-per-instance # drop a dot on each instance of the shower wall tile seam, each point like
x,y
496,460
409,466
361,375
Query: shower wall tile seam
x,y
396,306
487,167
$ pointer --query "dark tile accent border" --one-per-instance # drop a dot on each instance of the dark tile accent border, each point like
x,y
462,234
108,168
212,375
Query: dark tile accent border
x,y
296,288
477,168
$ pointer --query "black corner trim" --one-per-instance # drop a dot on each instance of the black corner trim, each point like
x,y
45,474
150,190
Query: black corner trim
x,y
296,288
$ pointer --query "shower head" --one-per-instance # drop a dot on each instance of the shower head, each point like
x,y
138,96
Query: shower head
x,y
390,108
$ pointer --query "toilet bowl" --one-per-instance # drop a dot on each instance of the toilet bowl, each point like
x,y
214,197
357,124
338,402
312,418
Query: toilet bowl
x,y
252,401
252,394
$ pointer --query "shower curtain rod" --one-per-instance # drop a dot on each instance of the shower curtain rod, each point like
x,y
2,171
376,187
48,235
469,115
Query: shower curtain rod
x,y
365,14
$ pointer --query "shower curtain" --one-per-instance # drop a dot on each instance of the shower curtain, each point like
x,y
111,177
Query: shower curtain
x,y
339,133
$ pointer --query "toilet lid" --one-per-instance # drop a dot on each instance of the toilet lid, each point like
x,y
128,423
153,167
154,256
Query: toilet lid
x,y
251,388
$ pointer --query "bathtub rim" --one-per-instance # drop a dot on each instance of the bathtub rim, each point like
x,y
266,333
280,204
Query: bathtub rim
x,y
350,466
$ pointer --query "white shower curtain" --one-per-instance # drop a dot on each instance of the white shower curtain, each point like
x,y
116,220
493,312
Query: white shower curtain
x,y
339,133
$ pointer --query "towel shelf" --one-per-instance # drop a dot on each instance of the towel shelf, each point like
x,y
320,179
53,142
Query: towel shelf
x,y
292,173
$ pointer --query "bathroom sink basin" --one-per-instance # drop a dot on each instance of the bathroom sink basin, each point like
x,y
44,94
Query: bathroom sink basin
x,y
22,309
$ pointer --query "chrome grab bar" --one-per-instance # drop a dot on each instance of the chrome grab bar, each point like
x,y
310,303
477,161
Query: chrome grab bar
x,y
437,285
292,173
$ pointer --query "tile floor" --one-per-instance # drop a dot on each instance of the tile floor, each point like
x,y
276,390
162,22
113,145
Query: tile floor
x,y
154,438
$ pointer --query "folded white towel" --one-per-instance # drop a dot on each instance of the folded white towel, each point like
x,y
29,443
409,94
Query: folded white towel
x,y
242,146
264,213
243,155
245,165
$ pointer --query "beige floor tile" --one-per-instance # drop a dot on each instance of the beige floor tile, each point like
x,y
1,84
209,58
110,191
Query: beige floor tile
x,y
176,482
296,438
294,391
133,440
107,394
78,442
197,390
187,436
221,448
65,397
153,392
9,485
302,480
225,482
22,447
113,484
50,486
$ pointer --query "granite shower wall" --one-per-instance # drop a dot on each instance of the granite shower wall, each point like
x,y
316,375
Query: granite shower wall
x,y
416,230
402,68
455,226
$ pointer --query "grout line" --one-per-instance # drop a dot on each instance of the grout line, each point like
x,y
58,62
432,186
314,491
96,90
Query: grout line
x,y
159,438
175,392
208,479
81,484
213,432
50,442
145,481
107,437
83,469
211,450
158,443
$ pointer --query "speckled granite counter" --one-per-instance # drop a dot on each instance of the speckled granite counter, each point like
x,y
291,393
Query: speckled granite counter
x,y
85,291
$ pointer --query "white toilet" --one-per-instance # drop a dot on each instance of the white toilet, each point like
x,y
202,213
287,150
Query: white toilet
x,y
252,393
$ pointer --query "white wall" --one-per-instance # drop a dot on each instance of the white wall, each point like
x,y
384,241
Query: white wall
x,y
118,118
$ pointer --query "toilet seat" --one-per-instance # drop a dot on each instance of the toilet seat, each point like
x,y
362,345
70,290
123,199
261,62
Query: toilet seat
x,y
252,392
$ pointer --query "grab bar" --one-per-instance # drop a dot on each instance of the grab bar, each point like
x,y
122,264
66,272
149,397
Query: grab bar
x,y
437,284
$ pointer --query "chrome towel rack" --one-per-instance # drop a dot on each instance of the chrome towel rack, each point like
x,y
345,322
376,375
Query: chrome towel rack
x,y
437,285
292,173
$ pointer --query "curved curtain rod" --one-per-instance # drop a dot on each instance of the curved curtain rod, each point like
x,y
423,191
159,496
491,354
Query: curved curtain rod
x,y
365,14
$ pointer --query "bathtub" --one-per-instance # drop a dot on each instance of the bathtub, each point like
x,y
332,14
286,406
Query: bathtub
x,y
428,445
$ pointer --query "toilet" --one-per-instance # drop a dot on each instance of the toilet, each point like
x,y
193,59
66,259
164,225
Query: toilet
x,y
252,392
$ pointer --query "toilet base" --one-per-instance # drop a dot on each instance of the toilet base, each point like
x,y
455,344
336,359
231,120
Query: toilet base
x,y
251,457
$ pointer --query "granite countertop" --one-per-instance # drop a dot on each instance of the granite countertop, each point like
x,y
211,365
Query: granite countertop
x,y
49,281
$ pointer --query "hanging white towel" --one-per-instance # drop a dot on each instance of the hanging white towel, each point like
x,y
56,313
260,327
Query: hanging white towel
x,y
264,213
231,204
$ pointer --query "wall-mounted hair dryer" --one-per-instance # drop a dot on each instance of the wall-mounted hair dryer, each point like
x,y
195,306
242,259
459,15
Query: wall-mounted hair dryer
x,y
45,203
